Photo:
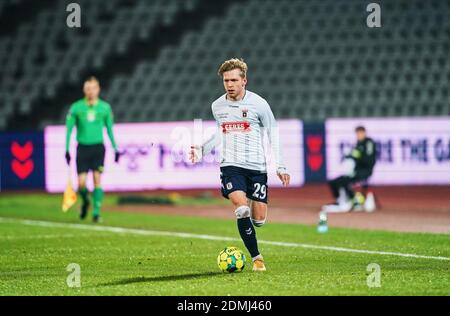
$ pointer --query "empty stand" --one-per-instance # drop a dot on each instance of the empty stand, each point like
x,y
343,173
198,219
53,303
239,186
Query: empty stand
x,y
309,59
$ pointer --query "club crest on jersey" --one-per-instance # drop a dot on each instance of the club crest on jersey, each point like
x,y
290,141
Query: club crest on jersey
x,y
91,116
244,112
235,127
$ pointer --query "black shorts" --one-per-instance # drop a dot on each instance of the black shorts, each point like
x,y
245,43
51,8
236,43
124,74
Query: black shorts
x,y
252,182
90,157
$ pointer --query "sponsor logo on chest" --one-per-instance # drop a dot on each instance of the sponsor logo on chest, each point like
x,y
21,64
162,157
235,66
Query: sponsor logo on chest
x,y
242,127
91,115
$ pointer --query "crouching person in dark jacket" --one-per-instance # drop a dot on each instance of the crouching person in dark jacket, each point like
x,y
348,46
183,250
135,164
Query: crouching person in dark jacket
x,y
363,157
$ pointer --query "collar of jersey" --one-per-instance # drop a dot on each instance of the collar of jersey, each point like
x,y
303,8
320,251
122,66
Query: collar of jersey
x,y
243,98
88,105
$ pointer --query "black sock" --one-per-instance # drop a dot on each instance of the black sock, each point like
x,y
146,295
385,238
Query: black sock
x,y
248,235
84,195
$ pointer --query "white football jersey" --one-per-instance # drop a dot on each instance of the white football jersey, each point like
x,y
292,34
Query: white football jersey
x,y
241,127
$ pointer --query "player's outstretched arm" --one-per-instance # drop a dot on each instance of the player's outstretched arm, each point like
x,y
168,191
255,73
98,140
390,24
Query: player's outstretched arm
x,y
197,152
270,124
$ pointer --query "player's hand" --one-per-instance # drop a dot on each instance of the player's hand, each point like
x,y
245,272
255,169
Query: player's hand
x,y
194,153
356,154
116,156
285,178
68,158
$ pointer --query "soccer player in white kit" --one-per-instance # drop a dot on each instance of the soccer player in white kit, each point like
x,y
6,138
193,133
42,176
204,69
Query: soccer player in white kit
x,y
242,119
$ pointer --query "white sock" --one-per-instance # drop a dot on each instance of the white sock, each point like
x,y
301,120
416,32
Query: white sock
x,y
257,257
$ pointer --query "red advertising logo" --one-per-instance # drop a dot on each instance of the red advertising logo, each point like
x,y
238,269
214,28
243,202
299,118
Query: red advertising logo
x,y
235,127
315,158
22,165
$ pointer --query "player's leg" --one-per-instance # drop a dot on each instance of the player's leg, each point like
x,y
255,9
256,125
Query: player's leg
x,y
84,194
343,195
346,184
82,170
258,195
352,201
234,187
97,167
98,195
342,183
335,185
244,223
358,200
259,213
257,192
82,180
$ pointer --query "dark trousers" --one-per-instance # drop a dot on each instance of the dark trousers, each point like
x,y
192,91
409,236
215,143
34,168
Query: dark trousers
x,y
346,182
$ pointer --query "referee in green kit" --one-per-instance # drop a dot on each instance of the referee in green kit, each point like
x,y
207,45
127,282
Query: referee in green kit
x,y
90,115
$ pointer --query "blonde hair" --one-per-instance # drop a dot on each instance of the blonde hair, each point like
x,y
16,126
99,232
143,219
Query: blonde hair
x,y
232,64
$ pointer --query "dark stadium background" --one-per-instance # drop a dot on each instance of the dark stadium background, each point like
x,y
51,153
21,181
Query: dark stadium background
x,y
157,60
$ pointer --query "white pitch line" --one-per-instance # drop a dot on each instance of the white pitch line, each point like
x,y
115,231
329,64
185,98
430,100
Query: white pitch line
x,y
123,230
9,237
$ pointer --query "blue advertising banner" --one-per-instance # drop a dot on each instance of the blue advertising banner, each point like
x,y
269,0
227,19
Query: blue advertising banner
x,y
22,161
314,152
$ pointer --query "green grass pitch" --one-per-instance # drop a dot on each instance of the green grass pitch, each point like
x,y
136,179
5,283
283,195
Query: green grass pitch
x,y
33,258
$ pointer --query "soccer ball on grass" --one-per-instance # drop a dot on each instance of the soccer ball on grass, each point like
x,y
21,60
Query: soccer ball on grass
x,y
231,259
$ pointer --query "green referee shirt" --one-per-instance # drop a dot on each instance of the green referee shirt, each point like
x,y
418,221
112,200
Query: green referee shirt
x,y
90,121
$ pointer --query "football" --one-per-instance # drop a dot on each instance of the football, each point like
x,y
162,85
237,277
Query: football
x,y
231,259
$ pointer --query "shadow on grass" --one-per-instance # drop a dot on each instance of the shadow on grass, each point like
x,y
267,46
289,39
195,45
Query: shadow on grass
x,y
180,277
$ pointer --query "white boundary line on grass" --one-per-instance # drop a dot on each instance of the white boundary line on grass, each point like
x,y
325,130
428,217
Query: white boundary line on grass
x,y
123,230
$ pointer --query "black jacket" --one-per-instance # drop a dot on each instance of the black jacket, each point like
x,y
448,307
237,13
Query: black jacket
x,y
364,154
